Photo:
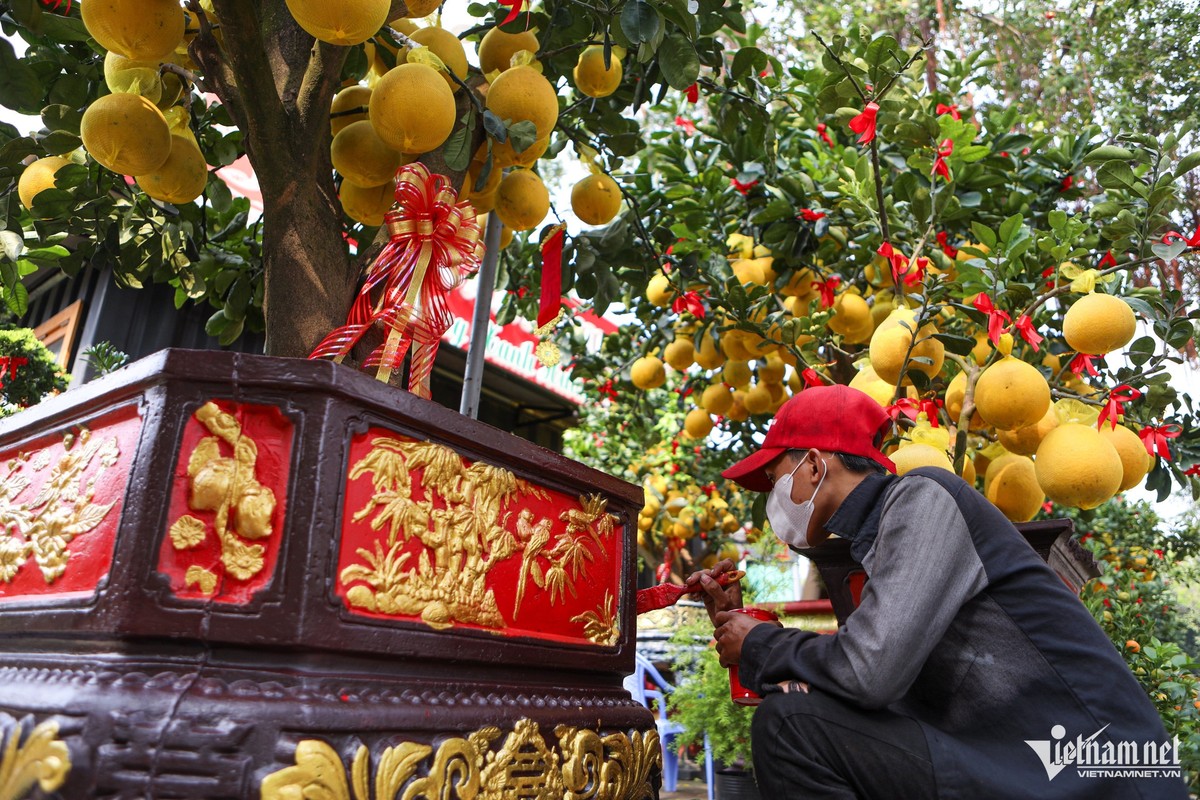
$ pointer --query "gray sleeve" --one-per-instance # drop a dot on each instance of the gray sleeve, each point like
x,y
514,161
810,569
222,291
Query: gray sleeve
x,y
922,569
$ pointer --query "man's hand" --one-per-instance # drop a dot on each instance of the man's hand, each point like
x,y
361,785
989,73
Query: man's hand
x,y
732,628
717,599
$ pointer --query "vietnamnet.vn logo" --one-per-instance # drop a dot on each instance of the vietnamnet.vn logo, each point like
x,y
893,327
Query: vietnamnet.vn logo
x,y
1107,759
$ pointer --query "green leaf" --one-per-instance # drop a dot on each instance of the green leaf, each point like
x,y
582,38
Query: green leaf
x,y
959,345
679,63
494,126
1057,220
1010,226
1187,164
748,61
1108,152
60,143
640,21
984,234
1116,175
20,89
12,243
17,299
457,150
1168,252
523,134
59,117
219,196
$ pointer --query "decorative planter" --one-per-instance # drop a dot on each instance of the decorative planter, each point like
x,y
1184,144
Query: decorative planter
x,y
231,576
735,784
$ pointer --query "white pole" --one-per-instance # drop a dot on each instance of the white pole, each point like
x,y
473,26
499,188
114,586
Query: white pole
x,y
481,319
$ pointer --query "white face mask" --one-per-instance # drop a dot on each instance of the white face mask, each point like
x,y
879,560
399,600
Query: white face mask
x,y
790,520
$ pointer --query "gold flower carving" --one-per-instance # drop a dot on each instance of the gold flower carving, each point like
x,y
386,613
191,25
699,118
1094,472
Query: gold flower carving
x,y
62,510
465,536
43,759
583,765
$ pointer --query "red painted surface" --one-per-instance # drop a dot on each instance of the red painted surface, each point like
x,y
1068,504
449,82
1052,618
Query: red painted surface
x,y
538,615
272,435
30,470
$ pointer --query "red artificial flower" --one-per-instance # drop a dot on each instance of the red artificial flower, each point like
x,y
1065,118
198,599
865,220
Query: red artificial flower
x,y
689,302
1067,183
808,215
743,188
823,132
1082,362
692,93
940,167
1192,242
943,239
864,123
996,319
951,109
1114,406
1024,326
826,288
688,126
1156,438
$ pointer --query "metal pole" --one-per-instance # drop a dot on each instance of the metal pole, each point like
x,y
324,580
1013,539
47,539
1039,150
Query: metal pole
x,y
485,283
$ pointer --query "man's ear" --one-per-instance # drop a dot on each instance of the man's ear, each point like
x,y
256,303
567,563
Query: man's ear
x,y
812,468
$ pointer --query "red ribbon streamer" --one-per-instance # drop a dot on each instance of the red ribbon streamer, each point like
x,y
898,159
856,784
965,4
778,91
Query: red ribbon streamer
x,y
823,132
1114,406
918,274
514,8
896,258
826,288
10,363
550,302
1024,326
940,167
1082,362
943,239
434,244
743,188
809,215
1107,261
689,302
1155,438
864,123
996,319
692,93
1192,242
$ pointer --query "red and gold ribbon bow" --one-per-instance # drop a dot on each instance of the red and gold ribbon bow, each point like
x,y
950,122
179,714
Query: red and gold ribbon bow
x,y
1156,438
689,302
826,288
1114,406
949,108
1024,326
940,167
997,320
1082,362
433,245
864,123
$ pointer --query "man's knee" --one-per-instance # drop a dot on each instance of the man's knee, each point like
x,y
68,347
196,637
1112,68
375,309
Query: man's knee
x,y
780,710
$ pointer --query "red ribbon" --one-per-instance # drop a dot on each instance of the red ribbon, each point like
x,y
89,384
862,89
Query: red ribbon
x,y
692,93
1024,326
898,261
433,245
808,215
1191,472
810,377
1082,362
689,302
514,8
743,188
826,288
918,274
10,363
943,239
940,167
1113,407
1192,242
1156,438
864,123
996,319
550,302
1048,272
1107,261
688,126
1067,183
607,389
56,3
906,407
823,132
951,109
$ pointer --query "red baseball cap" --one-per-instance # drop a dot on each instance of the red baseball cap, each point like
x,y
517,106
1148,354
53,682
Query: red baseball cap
x,y
832,418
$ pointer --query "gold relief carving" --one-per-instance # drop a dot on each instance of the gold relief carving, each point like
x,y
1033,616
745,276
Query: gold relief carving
x,y
199,576
583,765
464,537
61,511
43,759
601,626
229,486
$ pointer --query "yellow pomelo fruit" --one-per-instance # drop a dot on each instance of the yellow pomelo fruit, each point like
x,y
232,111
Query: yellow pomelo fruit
x,y
893,339
956,392
698,424
850,313
911,456
181,178
596,199
172,90
349,105
800,285
869,382
1078,467
1011,394
991,466
362,157
1135,461
38,177
736,374
981,350
127,76
522,200
758,399
1011,485
881,310
717,399
591,78
772,369
680,354
735,344
738,412
415,9
144,30
968,471
861,334
748,270
1026,440
506,236
497,48
126,133
412,109
659,291
345,22
1098,324
446,46
522,93
648,372
367,205
505,155
879,272
708,356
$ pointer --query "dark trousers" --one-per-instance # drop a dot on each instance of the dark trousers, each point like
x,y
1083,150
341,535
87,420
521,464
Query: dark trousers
x,y
816,746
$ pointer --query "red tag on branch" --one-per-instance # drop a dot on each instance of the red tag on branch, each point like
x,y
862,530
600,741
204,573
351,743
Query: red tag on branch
x,y
550,301
1156,438
864,123
996,320
1114,406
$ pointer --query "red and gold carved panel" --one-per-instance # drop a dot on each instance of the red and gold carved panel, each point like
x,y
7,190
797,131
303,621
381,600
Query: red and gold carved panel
x,y
60,504
429,536
228,500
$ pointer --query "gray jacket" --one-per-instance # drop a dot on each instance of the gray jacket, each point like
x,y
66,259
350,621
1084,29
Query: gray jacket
x,y
964,628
